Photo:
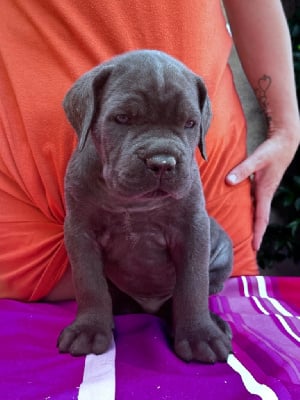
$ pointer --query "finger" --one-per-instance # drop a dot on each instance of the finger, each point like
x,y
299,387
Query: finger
x,y
263,199
249,166
260,224
241,172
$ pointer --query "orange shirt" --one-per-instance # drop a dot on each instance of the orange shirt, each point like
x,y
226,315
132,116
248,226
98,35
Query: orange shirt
x,y
45,46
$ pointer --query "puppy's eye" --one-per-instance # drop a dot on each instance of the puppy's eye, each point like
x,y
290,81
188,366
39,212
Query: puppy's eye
x,y
123,119
190,123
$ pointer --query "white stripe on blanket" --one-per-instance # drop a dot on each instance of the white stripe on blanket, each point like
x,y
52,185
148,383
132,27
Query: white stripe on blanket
x,y
263,294
287,328
99,376
253,387
262,289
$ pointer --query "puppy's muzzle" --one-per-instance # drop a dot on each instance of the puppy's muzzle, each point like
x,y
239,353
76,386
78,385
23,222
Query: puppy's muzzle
x,y
160,164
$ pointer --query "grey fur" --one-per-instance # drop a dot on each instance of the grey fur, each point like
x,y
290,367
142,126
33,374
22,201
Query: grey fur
x,y
137,232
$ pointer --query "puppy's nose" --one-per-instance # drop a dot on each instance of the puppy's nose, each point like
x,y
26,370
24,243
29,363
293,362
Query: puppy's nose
x,y
161,163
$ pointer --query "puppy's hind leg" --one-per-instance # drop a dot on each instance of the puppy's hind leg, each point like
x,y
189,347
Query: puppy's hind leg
x,y
221,260
221,257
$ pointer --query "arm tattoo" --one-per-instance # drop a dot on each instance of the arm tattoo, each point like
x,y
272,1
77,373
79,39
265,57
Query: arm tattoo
x,y
263,86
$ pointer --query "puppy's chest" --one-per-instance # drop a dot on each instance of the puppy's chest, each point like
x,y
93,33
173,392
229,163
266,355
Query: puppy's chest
x,y
137,235
137,259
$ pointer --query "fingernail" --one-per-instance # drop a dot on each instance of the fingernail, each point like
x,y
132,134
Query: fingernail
x,y
232,178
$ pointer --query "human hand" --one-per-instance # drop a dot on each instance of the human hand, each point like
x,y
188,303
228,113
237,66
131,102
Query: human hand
x,y
266,166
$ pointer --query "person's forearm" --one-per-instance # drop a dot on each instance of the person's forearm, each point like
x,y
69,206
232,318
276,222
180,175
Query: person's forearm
x,y
262,39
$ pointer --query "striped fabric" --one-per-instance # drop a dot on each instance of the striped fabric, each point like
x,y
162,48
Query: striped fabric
x,y
264,313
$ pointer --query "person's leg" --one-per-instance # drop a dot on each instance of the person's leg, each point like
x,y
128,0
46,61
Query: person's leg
x,y
63,290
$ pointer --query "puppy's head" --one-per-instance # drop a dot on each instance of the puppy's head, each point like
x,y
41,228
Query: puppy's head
x,y
146,113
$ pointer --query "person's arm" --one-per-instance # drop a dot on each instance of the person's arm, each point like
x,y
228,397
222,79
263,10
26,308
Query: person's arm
x,y
262,39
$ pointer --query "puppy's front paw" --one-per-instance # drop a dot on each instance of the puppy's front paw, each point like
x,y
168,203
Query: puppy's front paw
x,y
208,342
85,336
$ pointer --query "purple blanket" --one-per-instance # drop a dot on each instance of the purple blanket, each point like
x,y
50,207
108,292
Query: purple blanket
x,y
262,311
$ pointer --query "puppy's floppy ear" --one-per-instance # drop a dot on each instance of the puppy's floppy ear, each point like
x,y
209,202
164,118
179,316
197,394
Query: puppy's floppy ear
x,y
206,114
80,102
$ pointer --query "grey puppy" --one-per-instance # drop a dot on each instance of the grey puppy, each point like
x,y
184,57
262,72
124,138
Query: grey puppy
x,y
136,231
